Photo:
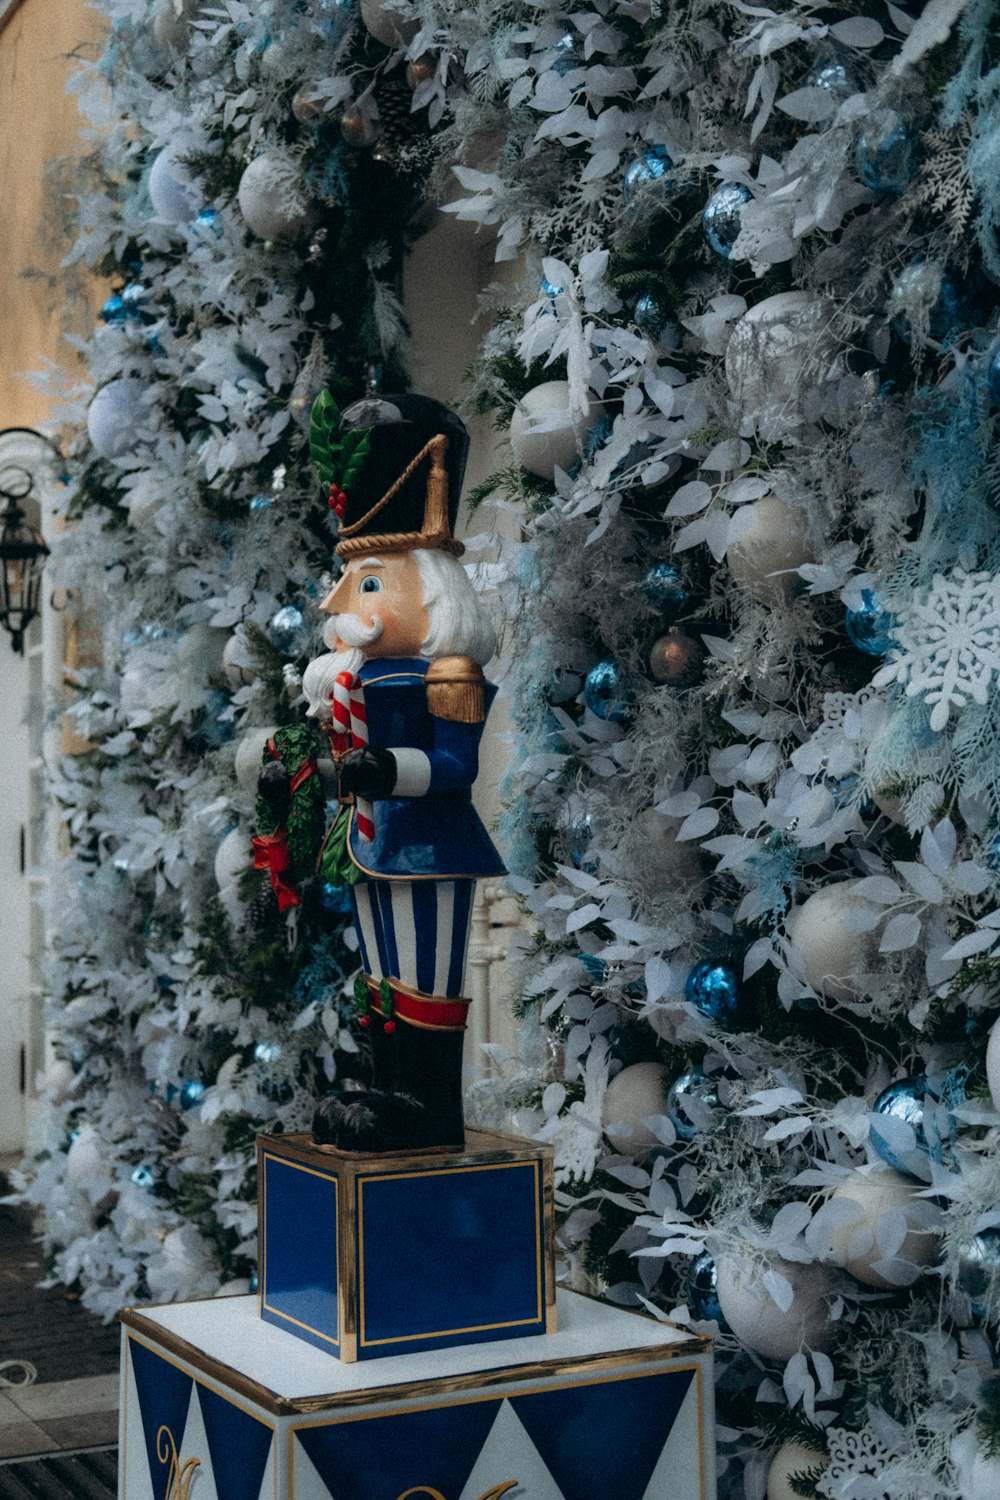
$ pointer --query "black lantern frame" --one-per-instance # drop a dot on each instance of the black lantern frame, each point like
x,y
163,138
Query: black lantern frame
x,y
23,551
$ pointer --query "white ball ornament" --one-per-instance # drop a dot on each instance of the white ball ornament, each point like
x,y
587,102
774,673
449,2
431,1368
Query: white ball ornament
x,y
200,649
776,353
171,185
791,1458
545,432
630,1098
854,1243
833,954
391,22
113,416
238,663
993,1064
249,756
231,858
757,1320
85,1156
272,200
765,555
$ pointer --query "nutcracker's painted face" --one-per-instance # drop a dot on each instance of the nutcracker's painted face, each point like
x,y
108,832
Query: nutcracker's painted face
x,y
378,604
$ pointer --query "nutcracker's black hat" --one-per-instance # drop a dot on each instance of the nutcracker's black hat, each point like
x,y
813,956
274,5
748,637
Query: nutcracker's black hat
x,y
407,490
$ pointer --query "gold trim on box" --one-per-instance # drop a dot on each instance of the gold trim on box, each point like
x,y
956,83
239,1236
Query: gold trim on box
x,y
442,1333
179,1364
514,1389
654,1355
265,1155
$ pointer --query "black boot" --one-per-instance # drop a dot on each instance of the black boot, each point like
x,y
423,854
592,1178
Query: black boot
x,y
415,1101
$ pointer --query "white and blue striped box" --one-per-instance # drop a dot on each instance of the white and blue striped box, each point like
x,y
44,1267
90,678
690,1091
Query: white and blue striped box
x,y
366,1257
218,1405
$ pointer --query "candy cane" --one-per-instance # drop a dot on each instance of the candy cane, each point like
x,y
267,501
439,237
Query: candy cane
x,y
350,719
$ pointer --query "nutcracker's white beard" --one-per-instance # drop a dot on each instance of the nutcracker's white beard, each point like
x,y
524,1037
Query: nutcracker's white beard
x,y
352,630
320,675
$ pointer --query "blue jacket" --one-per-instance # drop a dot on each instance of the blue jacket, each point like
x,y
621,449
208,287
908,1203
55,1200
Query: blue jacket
x,y
439,835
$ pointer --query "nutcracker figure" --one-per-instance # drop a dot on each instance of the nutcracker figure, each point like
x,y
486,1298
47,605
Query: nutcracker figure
x,y
402,698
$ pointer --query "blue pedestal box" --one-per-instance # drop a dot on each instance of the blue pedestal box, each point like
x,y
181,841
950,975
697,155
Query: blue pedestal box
x,y
215,1402
366,1257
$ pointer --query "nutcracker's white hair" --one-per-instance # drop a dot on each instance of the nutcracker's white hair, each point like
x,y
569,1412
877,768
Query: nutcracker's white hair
x,y
458,623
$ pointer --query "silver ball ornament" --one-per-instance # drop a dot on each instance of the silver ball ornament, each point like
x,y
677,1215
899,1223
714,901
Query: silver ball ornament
x,y
114,414
778,351
757,1320
272,199
632,1096
391,22
250,756
546,432
172,189
765,557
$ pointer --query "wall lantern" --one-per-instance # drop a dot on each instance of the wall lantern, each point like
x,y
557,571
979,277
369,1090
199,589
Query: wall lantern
x,y
22,554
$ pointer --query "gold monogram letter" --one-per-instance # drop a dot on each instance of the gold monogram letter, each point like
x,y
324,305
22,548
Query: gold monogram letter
x,y
179,1476
496,1493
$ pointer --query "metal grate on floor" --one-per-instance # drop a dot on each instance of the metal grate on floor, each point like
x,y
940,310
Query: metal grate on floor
x,y
88,1475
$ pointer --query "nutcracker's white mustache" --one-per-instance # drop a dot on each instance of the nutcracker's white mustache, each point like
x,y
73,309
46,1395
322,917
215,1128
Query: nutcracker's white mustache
x,y
352,630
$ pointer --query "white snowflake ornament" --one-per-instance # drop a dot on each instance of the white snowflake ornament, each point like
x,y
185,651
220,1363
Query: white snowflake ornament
x,y
948,647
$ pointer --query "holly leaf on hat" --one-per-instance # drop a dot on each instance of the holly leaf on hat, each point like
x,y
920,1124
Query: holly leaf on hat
x,y
337,458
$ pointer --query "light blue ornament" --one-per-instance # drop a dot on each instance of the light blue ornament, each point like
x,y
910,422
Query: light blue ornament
x,y
650,316
690,1087
267,1052
871,626
605,694
286,630
595,967
192,1093
143,1178
549,289
113,310
979,1271
336,898
722,216
568,55
261,502
650,170
903,1101
134,298
663,590
713,989
883,156
206,222
702,1290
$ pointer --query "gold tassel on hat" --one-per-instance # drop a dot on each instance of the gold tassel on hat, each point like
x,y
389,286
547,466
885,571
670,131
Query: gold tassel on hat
x,y
455,690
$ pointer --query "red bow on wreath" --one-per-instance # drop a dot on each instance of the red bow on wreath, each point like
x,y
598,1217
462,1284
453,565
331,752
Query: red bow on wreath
x,y
271,853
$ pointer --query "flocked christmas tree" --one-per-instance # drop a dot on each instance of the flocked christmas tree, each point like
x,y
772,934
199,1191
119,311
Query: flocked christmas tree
x,y
751,378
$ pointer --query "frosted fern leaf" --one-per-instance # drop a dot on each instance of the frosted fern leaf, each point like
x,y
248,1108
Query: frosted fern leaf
x,y
948,647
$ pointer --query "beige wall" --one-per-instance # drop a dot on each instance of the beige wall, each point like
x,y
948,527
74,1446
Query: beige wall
x,y
38,123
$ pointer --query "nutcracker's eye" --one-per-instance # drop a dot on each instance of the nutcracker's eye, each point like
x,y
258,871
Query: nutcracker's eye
x,y
371,584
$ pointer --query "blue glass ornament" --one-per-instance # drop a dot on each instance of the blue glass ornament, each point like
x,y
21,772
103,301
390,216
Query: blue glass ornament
x,y
286,630
883,156
267,1052
650,316
720,221
605,694
652,167
336,898
871,626
134,297
143,1178
979,1269
701,1292
832,73
206,221
549,289
164,982
714,989
568,55
902,1100
192,1093
690,1086
576,841
595,967
113,310
662,588
261,502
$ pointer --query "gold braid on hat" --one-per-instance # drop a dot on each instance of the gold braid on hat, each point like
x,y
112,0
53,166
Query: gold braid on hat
x,y
436,532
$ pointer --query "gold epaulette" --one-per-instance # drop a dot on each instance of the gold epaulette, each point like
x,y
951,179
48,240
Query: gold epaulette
x,y
455,689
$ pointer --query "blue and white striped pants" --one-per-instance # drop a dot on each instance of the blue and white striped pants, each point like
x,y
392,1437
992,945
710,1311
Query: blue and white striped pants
x,y
415,931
